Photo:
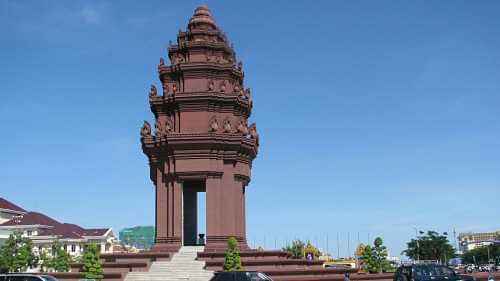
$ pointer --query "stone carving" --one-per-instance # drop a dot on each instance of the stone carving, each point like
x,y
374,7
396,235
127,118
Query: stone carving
x,y
211,85
160,130
223,86
253,133
237,87
162,62
214,125
227,126
240,66
169,128
248,96
179,58
165,90
153,92
242,128
146,130
174,88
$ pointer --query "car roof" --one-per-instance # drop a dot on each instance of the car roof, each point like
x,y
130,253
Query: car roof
x,y
20,274
241,271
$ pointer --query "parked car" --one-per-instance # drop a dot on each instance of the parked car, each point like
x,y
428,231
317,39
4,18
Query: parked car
x,y
425,272
240,276
26,277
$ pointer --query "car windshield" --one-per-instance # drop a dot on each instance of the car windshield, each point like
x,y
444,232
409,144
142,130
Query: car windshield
x,y
258,276
49,278
433,270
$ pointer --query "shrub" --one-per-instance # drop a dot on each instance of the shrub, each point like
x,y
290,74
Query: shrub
x,y
232,260
92,267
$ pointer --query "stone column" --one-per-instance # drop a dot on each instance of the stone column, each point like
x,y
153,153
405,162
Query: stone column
x,y
169,212
161,209
225,213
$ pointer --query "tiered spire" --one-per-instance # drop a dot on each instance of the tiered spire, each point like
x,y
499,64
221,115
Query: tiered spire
x,y
202,18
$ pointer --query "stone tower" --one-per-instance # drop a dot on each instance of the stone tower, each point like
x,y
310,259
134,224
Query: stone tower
x,y
201,140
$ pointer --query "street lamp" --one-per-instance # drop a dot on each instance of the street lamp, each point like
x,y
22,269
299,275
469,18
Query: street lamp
x,y
416,239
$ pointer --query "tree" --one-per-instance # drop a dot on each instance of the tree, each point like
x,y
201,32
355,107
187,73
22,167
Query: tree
x,y
431,246
296,250
16,255
374,257
60,258
481,255
232,260
92,267
359,253
311,249
44,261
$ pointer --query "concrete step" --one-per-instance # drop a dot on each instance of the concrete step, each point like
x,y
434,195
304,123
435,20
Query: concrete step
x,y
182,267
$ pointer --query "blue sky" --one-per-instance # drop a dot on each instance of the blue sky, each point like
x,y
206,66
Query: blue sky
x,y
375,116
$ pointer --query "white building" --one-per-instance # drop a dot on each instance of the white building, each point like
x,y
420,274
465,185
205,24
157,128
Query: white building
x,y
470,241
44,231
8,210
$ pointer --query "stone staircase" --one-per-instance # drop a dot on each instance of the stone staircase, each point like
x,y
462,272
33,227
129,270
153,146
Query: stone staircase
x,y
182,267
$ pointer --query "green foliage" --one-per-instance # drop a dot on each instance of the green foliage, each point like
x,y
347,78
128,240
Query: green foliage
x,y
480,255
58,261
232,260
296,250
311,249
374,257
92,267
61,259
16,254
432,246
44,261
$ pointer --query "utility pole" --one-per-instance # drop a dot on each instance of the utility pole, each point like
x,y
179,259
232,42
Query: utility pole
x,y
338,246
349,244
327,248
416,239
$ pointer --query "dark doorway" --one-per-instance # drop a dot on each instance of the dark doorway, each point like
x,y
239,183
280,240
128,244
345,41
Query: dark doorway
x,y
190,211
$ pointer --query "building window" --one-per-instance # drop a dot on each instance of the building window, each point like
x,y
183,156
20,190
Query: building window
x,y
29,232
65,247
39,249
73,248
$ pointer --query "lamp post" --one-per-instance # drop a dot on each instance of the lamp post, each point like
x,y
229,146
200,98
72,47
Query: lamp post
x,y
416,239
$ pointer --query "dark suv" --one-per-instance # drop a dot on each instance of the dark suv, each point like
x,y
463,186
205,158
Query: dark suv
x,y
426,272
25,277
240,276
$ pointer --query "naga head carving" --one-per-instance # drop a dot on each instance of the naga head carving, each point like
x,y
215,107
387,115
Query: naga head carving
x,y
146,130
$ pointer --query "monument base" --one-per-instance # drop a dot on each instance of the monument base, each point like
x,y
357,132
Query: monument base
x,y
219,243
277,264
167,245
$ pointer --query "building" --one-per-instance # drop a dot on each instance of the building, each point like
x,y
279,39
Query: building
x,y
139,237
44,231
8,211
469,241
202,141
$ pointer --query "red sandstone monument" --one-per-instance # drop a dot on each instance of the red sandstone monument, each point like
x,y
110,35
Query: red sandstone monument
x,y
201,141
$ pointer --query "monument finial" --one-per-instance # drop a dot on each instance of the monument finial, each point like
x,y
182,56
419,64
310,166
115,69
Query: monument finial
x,y
202,17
